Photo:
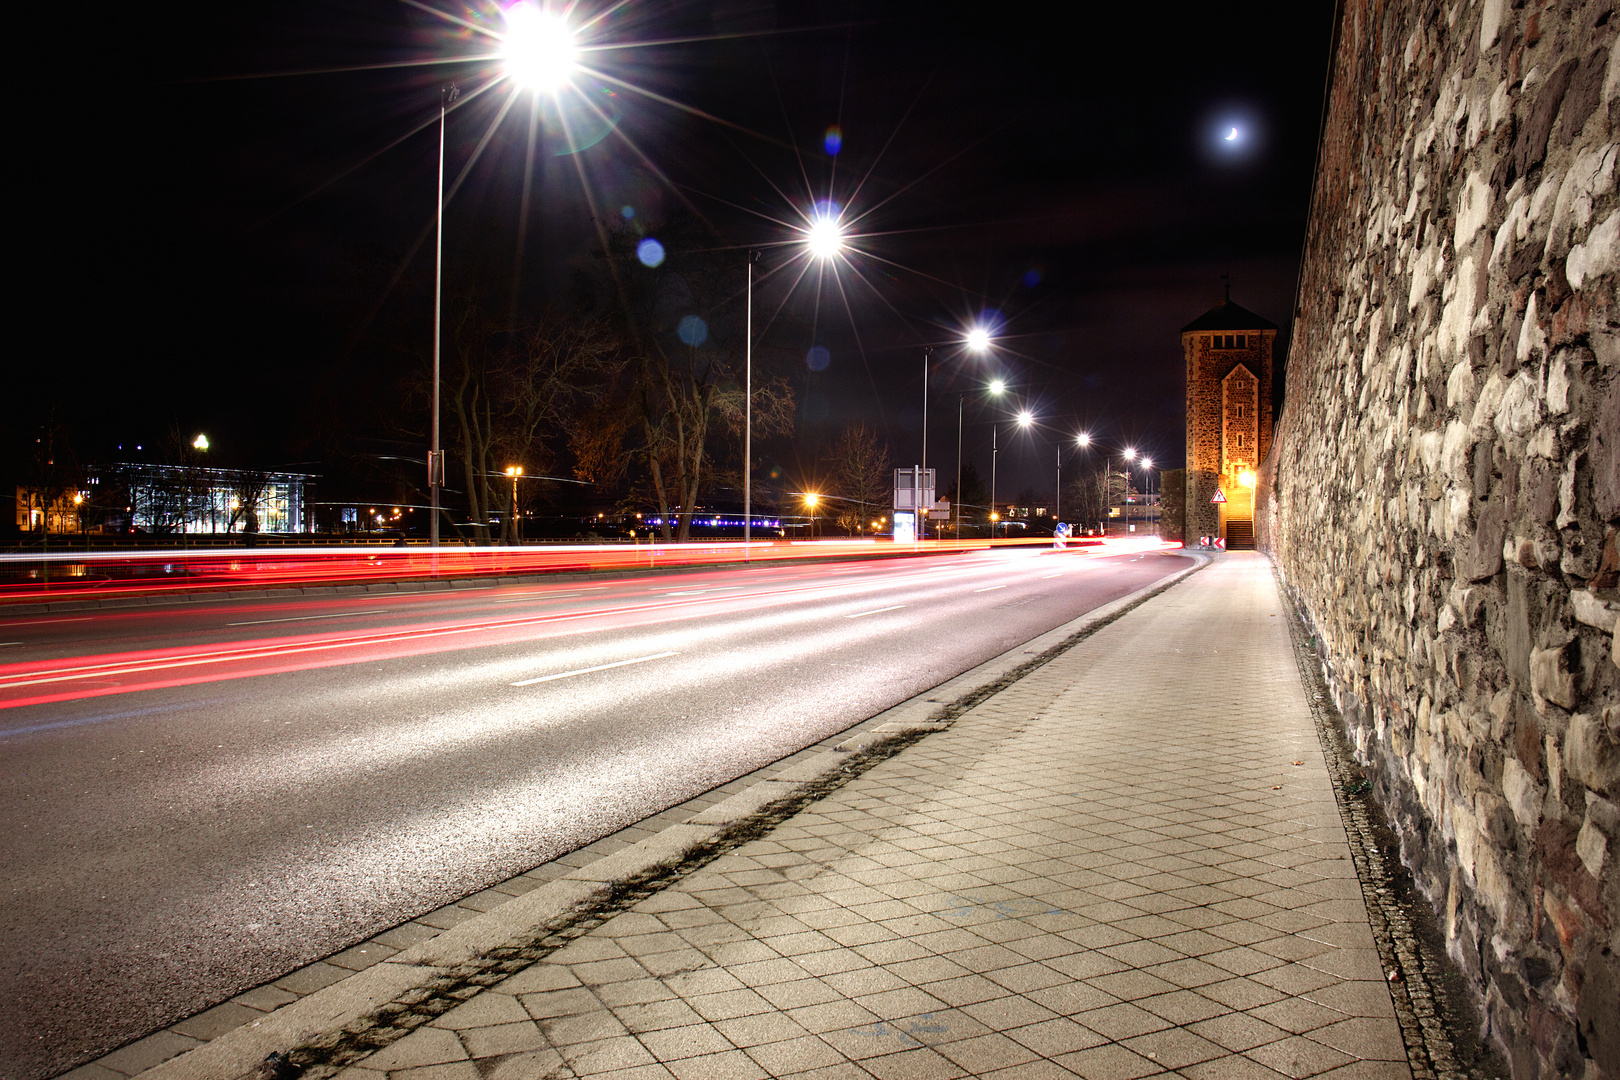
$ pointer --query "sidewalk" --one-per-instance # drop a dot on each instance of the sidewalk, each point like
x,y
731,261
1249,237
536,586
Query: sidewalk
x,y
1128,863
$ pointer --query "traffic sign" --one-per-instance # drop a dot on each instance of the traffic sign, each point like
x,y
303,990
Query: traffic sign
x,y
1219,497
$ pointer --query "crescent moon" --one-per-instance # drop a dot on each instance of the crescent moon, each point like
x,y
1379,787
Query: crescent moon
x,y
1232,135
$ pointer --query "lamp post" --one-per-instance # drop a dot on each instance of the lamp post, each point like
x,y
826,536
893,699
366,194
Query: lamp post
x,y
1083,440
824,238
995,429
810,500
538,54
447,96
1130,456
978,339
515,471
922,511
748,415
1147,492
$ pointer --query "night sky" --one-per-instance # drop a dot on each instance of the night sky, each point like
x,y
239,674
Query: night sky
x,y
235,205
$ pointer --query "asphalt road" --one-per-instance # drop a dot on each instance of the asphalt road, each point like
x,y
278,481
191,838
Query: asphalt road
x,y
199,798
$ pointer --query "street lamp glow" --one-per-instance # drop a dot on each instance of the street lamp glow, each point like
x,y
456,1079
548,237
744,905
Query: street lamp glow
x,y
1025,418
1147,463
978,339
997,386
539,49
1247,479
825,237
1083,439
1130,453
200,442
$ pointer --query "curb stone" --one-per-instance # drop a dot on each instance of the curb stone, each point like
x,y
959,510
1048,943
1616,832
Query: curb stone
x,y
319,1035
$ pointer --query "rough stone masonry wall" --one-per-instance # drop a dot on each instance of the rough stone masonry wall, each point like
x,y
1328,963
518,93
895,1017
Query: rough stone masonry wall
x,y
1444,486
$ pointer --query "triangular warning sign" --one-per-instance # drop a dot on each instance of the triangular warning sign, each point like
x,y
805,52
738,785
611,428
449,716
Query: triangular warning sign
x,y
1220,496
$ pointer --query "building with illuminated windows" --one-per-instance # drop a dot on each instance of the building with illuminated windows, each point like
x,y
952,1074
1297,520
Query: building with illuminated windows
x,y
167,500
1229,358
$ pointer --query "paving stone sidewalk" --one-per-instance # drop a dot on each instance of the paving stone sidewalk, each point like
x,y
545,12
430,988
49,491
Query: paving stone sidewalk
x,y
1129,863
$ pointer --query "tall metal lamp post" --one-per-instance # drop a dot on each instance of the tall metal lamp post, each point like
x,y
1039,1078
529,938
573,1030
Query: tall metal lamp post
x,y
978,339
1130,456
1147,492
538,53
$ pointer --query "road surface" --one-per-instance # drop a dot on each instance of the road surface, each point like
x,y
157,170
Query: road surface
x,y
201,797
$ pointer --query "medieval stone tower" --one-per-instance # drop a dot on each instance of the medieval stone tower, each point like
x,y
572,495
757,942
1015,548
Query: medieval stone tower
x,y
1228,419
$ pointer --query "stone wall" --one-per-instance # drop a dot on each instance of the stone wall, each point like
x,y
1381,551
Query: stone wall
x,y
1444,487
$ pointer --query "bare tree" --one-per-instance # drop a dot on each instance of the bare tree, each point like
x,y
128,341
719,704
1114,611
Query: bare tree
x,y
49,477
247,491
514,395
680,387
862,469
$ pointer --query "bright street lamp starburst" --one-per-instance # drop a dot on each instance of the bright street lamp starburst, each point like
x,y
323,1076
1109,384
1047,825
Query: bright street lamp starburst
x,y
539,50
978,339
825,237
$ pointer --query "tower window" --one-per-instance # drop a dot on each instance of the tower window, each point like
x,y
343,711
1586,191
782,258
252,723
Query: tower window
x,y
1240,412
1240,341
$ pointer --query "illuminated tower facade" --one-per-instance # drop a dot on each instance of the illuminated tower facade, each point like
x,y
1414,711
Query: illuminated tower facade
x,y
1228,351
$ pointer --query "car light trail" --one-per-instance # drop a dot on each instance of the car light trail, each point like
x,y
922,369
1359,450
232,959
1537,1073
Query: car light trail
x,y
990,588
44,681
598,667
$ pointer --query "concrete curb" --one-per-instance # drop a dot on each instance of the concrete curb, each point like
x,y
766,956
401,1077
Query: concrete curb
x,y
542,912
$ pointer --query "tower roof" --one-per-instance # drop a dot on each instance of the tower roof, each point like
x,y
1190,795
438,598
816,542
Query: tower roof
x,y
1228,316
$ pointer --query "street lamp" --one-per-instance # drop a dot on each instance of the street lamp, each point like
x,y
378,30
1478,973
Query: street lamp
x,y
1130,456
538,53
978,339
996,388
824,238
515,471
1147,492
810,501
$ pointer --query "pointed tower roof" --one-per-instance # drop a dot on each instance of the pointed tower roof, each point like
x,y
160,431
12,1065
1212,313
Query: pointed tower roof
x,y
1228,316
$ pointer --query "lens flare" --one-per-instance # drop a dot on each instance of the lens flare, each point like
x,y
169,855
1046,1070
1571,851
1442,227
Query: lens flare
x,y
538,49
650,252
692,330
818,358
833,141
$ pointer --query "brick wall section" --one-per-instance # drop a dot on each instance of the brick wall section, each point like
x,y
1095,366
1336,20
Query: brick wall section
x,y
1445,485
1212,453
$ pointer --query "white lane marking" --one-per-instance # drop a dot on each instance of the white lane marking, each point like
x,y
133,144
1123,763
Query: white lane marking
x,y
538,596
1045,576
10,643
874,611
599,667
306,618
700,592
990,588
